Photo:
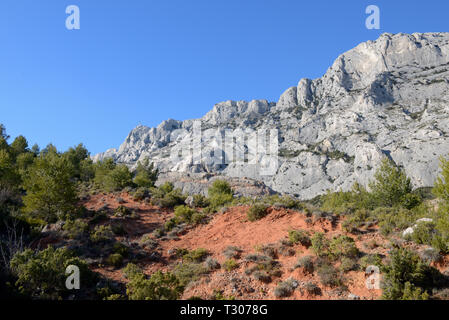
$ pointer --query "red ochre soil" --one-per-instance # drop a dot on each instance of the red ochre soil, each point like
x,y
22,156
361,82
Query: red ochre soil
x,y
233,228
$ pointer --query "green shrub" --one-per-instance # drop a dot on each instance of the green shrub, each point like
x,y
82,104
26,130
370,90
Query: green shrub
x,y
441,240
262,276
265,263
121,249
312,288
75,229
160,286
219,187
257,212
290,203
218,295
390,188
285,248
158,233
188,272
198,218
115,259
410,201
284,201
395,219
166,196
102,170
406,276
285,288
170,224
441,188
102,233
348,202
230,265
329,276
122,211
200,201
320,244
412,293
172,199
306,263
104,292
140,194
269,250
184,213
299,236
232,252
41,274
220,193
370,260
257,258
114,297
212,264
130,270
343,246
197,255
348,264
338,202
424,232
219,200
148,242
356,220
146,174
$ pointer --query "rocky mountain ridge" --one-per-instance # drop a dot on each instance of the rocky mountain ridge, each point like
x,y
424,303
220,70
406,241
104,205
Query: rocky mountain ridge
x,y
384,98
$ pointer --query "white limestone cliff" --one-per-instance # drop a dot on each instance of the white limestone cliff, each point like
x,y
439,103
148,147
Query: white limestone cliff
x,y
388,97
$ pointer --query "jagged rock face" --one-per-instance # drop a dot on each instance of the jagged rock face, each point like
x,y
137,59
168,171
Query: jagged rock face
x,y
387,97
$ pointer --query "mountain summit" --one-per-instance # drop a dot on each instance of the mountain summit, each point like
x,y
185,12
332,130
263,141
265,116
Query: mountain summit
x,y
384,98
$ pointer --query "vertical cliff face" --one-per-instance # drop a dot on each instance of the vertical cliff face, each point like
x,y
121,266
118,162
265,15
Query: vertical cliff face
x,y
388,97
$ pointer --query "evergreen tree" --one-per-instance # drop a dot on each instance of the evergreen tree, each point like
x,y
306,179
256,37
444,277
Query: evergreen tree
x,y
19,146
102,170
76,156
50,189
118,179
406,277
3,138
390,184
441,188
146,174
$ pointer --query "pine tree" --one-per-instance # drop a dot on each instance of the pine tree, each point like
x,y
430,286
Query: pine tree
x,y
441,188
146,174
390,184
50,189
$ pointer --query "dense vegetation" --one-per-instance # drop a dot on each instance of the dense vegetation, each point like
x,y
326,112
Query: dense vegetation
x,y
41,187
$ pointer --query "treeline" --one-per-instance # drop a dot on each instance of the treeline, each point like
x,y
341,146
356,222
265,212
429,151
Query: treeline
x,y
39,187
44,184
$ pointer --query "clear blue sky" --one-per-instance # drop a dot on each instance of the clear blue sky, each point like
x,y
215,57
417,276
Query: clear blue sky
x,y
141,62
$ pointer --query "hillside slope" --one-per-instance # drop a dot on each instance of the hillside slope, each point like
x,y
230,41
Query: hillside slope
x,y
258,248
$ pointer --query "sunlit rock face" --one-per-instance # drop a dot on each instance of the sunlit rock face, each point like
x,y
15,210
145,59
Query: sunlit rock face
x,y
384,98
